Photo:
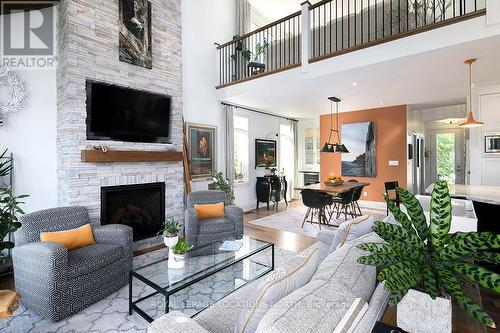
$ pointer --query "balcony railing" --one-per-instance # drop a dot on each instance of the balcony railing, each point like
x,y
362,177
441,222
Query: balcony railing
x,y
334,27
269,49
341,26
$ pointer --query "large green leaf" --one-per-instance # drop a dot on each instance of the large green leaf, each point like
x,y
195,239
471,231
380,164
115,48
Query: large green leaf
x,y
430,282
378,260
409,252
488,257
391,232
467,244
376,248
452,286
440,214
399,216
482,276
397,296
416,212
400,276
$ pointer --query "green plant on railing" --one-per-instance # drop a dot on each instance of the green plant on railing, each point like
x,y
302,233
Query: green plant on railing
x,y
248,55
219,182
181,247
425,257
170,228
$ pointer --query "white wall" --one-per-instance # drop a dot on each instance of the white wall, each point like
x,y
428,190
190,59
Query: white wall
x,y
260,127
31,136
484,169
204,22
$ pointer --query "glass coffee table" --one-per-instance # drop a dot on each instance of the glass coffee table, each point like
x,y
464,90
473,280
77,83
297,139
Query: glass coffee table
x,y
206,275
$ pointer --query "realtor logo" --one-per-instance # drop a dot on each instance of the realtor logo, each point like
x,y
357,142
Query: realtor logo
x,y
28,34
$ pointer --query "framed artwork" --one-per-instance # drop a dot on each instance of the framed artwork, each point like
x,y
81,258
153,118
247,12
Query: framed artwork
x,y
202,148
360,139
135,32
265,153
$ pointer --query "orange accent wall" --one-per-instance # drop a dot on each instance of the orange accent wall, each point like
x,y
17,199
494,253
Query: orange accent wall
x,y
391,145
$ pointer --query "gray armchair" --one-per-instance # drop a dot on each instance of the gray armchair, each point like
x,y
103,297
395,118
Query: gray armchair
x,y
55,282
204,232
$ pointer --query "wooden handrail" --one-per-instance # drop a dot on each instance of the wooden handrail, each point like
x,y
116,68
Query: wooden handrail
x,y
319,4
267,26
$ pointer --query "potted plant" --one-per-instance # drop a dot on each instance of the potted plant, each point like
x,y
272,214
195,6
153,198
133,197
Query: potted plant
x,y
180,249
9,211
422,264
170,232
222,184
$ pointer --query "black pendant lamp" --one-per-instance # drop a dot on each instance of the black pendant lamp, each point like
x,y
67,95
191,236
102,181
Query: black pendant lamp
x,y
330,147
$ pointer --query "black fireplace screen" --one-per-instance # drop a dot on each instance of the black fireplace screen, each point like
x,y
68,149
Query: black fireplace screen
x,y
141,207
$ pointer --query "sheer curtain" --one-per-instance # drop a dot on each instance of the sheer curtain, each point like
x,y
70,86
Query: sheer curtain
x,y
229,142
243,12
295,138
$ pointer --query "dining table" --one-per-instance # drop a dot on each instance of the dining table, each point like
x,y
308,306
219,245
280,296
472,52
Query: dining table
x,y
332,189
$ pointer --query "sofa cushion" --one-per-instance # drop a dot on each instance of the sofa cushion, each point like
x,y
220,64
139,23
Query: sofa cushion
x,y
91,258
72,238
292,275
342,267
209,211
215,225
352,229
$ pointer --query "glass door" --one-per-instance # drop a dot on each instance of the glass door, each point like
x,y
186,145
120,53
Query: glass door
x,y
448,155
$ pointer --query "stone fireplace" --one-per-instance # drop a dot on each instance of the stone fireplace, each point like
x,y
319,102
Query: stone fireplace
x,y
141,207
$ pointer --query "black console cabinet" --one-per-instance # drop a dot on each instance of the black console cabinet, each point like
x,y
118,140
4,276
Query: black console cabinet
x,y
271,189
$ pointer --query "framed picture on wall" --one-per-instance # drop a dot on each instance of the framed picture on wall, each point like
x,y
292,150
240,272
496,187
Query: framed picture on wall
x,y
360,138
265,153
135,33
202,150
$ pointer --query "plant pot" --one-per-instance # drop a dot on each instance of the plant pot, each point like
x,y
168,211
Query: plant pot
x,y
174,262
179,256
417,312
170,241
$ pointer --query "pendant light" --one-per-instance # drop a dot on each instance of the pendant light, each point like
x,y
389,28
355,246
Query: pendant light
x,y
334,147
470,121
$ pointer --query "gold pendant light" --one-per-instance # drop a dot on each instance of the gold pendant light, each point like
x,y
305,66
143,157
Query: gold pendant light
x,y
470,121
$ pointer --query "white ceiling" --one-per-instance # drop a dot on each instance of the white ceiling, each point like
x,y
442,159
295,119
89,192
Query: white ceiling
x,y
424,80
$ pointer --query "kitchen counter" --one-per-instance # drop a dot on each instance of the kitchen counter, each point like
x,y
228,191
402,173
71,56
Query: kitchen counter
x,y
479,193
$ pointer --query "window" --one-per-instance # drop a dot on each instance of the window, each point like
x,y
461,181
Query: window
x,y
287,155
241,149
311,147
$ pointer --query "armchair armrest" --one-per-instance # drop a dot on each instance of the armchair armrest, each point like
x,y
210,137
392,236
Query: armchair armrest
x,y
235,214
43,254
191,226
116,234
174,322
326,236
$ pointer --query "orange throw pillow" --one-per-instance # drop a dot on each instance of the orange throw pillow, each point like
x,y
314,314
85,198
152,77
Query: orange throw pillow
x,y
209,211
70,239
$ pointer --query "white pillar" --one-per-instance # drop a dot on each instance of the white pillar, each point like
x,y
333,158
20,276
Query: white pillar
x,y
304,52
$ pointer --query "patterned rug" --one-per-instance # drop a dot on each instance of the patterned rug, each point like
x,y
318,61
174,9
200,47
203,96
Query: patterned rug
x,y
291,220
111,314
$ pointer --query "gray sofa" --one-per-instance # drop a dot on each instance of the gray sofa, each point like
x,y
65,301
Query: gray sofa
x,y
199,233
318,306
55,282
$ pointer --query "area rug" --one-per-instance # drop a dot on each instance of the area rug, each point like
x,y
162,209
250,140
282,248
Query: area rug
x,y
291,220
111,314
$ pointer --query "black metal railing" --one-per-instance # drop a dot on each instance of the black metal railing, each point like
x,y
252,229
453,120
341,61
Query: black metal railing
x,y
340,26
269,49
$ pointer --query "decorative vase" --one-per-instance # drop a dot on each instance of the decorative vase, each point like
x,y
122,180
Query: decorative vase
x,y
417,312
170,241
173,260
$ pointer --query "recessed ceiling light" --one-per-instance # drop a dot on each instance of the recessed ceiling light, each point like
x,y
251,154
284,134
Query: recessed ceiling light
x,y
354,84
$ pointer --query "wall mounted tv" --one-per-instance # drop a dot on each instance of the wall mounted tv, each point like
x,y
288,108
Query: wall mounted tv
x,y
124,114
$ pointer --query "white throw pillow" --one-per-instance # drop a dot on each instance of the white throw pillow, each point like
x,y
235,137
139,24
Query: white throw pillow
x,y
293,275
352,317
352,229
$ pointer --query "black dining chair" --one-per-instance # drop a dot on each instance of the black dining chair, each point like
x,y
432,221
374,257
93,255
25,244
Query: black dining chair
x,y
316,202
343,203
357,196
392,194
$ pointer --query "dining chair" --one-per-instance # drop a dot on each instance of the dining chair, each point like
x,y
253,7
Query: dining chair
x,y
392,194
316,202
343,203
357,196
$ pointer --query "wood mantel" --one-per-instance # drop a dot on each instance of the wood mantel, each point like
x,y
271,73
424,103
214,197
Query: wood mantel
x,y
117,156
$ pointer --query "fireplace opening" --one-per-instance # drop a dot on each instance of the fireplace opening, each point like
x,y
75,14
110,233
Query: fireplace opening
x,y
140,206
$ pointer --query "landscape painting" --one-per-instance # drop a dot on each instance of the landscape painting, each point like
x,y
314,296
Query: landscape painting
x,y
360,139
135,33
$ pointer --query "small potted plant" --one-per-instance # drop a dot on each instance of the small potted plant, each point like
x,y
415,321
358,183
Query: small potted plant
x,y
422,264
170,232
180,249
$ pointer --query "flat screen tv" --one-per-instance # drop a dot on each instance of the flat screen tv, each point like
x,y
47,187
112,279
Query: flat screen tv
x,y
124,114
